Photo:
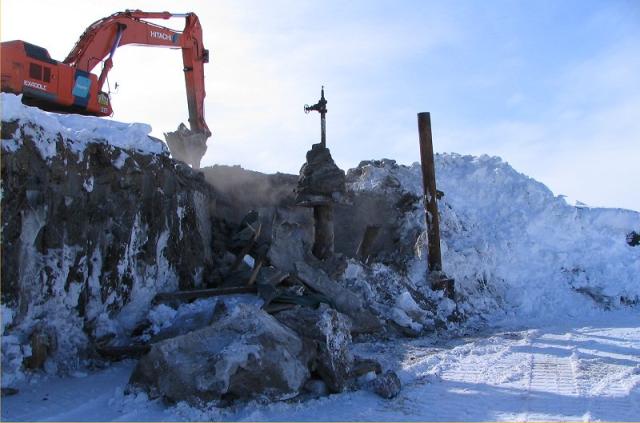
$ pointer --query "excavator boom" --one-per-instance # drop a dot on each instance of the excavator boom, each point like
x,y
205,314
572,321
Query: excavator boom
x,y
69,86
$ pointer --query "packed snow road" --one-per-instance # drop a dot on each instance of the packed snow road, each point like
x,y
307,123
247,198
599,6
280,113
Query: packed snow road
x,y
588,372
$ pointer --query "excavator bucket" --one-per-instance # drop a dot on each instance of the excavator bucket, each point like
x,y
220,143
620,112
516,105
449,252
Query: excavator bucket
x,y
187,145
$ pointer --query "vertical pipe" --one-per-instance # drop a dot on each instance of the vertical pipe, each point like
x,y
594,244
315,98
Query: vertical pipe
x,y
429,183
323,118
324,236
323,130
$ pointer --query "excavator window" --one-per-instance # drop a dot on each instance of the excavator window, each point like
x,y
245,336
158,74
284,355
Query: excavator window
x,y
35,71
39,73
46,74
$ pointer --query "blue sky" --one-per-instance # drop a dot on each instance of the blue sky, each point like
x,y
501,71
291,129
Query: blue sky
x,y
553,87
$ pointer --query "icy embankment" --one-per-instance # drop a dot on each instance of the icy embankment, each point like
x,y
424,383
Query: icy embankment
x,y
513,246
96,219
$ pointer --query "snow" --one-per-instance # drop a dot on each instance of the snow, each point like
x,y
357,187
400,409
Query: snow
x,y
88,184
161,317
6,317
511,245
249,260
120,161
159,277
180,212
385,290
76,131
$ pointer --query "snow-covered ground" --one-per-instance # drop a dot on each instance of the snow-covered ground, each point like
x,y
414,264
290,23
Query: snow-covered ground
x,y
574,371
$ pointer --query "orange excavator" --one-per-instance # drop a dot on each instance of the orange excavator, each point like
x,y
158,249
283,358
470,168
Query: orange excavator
x,y
70,87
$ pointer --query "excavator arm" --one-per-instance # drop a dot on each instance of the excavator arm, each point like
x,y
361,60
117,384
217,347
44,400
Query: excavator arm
x,y
100,41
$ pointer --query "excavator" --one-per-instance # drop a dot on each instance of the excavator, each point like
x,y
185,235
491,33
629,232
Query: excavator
x,y
70,87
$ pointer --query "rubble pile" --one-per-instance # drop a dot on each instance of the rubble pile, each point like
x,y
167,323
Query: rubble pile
x,y
226,284
321,303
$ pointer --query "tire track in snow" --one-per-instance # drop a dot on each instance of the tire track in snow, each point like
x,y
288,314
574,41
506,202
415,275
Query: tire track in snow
x,y
576,388
480,380
528,376
551,380
606,388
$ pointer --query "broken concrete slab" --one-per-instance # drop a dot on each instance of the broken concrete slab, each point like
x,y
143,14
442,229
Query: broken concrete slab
x,y
404,324
270,275
290,243
187,320
245,354
345,301
333,266
331,332
166,321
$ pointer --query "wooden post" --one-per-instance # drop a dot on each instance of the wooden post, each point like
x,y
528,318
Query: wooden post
x,y
429,183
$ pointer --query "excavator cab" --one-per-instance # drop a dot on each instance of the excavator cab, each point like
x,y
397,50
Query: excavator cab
x,y
50,85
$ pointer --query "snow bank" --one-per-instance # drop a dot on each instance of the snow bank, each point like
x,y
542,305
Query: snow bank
x,y
76,131
511,244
